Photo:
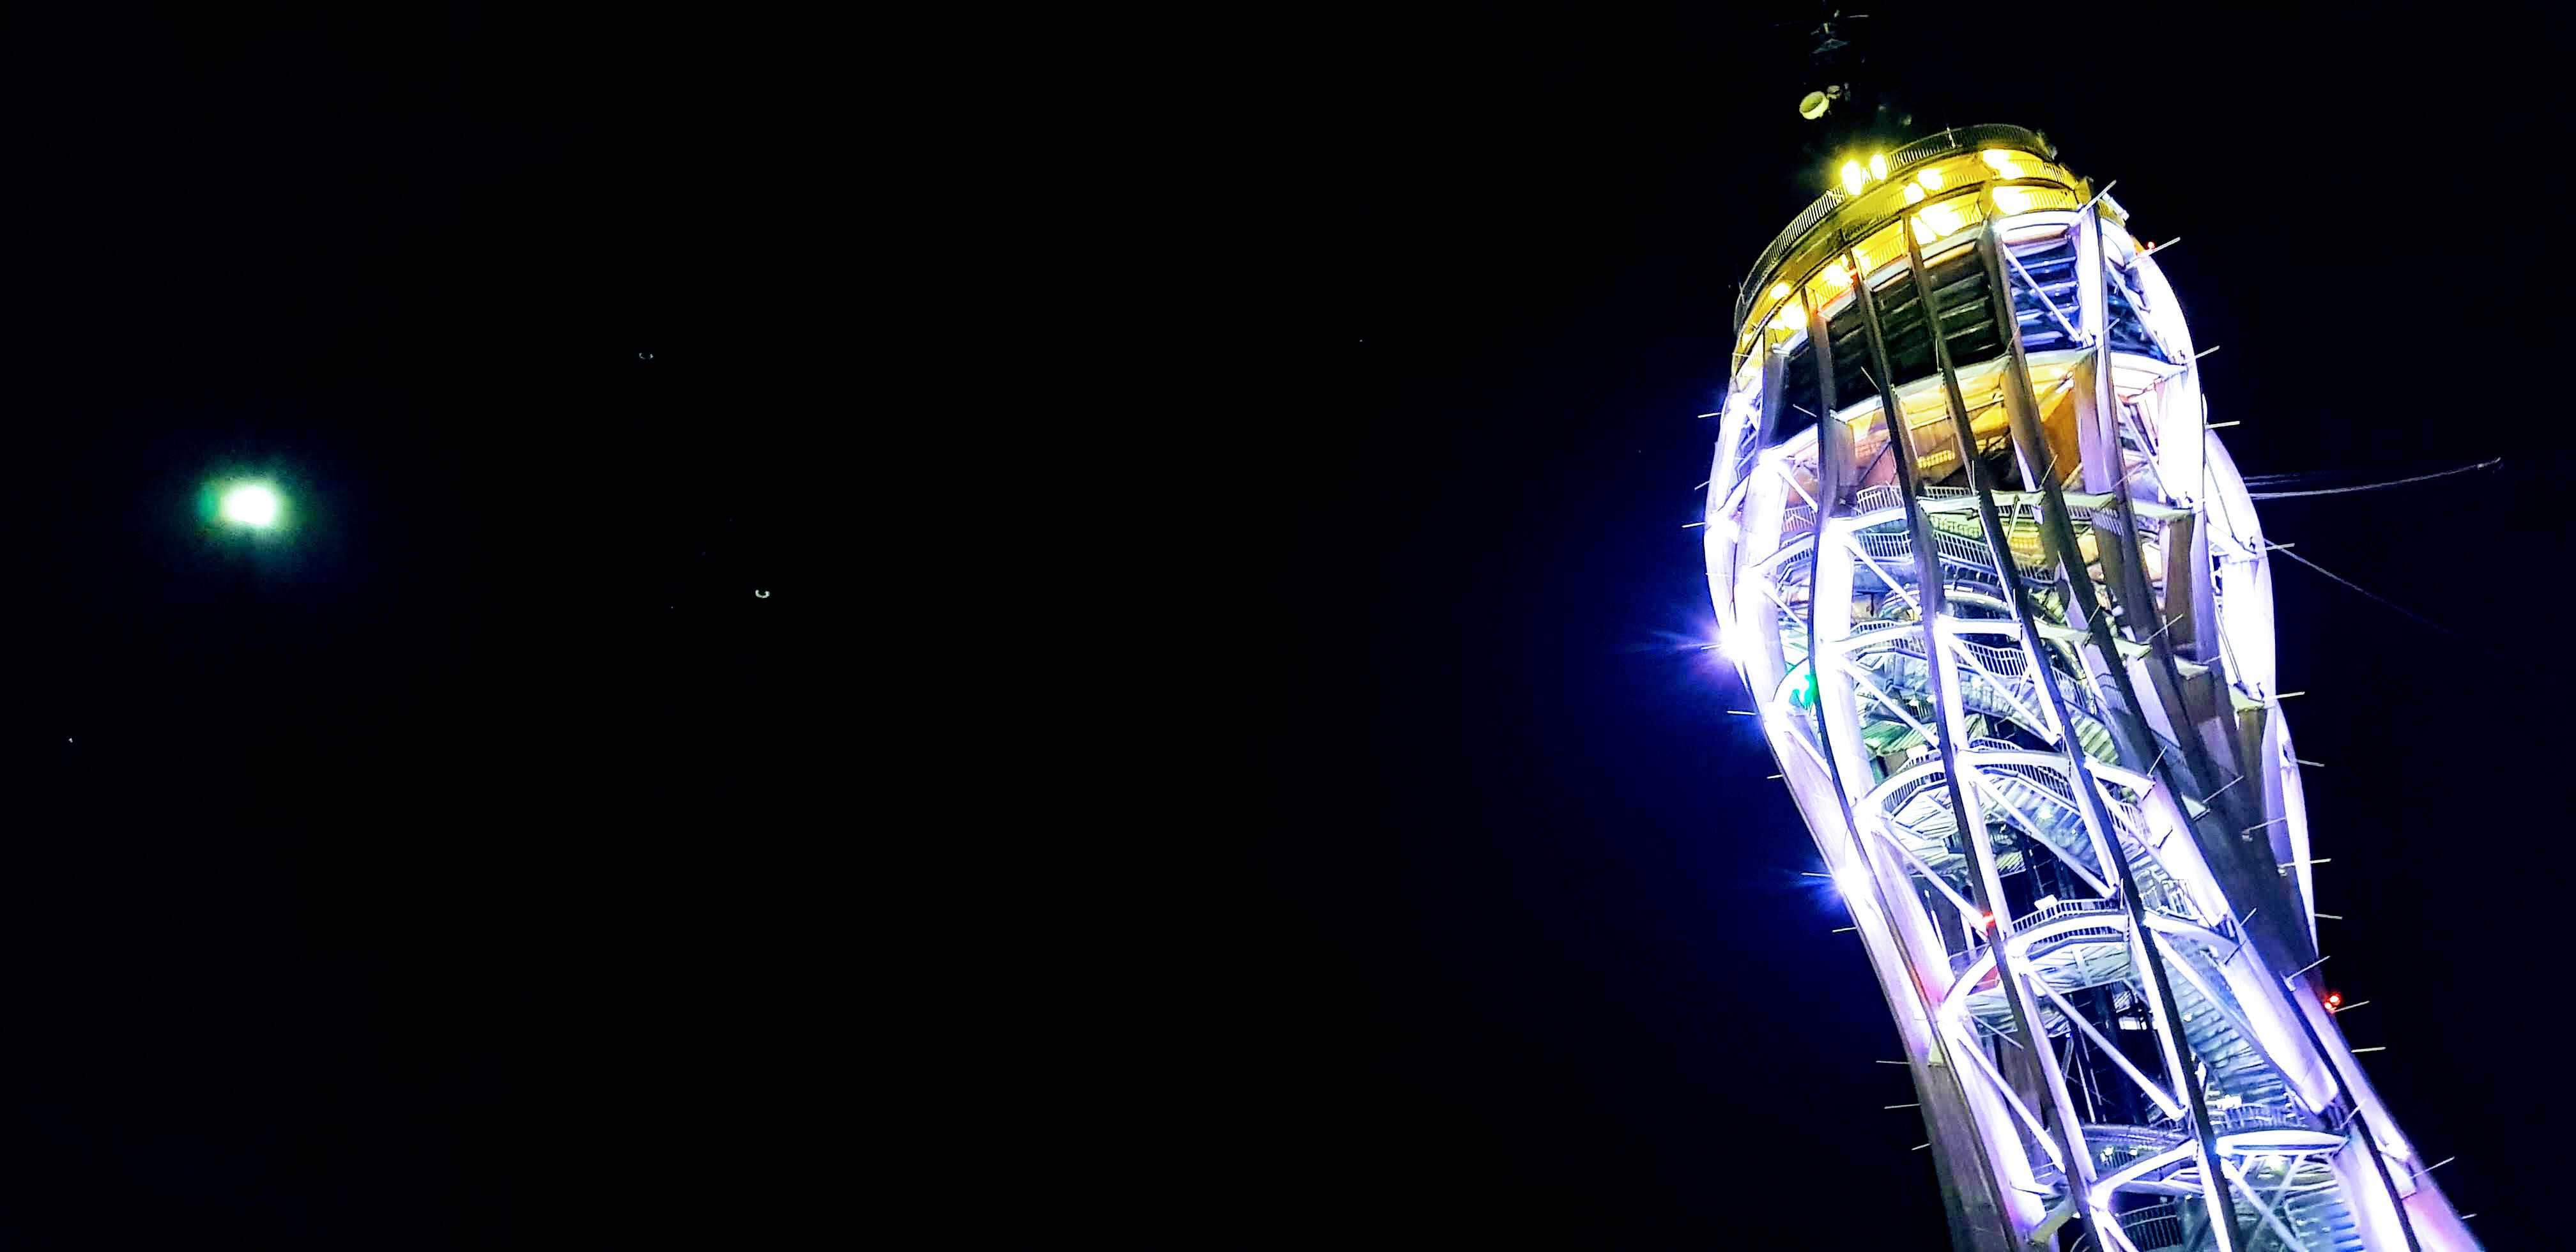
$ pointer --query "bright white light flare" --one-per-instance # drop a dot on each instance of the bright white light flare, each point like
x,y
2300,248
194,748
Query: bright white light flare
x,y
252,505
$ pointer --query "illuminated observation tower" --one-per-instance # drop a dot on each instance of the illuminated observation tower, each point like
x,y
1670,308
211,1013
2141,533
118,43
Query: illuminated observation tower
x,y
2013,651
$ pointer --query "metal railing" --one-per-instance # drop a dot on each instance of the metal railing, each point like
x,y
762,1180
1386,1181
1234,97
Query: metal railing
x,y
2152,1227
2067,908
1888,495
2259,1117
1793,574
1894,550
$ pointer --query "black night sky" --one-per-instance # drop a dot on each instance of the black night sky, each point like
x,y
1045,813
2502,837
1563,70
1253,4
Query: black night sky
x,y
379,883
1531,962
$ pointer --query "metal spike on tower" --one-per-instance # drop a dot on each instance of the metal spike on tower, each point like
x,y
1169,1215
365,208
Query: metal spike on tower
x,y
2014,654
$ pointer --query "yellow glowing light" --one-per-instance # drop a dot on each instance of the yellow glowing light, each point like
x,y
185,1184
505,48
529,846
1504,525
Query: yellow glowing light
x,y
1913,194
2001,162
2013,199
1836,276
1790,320
1878,166
1929,177
1779,291
1940,219
1854,177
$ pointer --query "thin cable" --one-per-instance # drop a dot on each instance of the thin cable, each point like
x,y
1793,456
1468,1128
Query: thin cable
x,y
2489,463
2411,614
2373,595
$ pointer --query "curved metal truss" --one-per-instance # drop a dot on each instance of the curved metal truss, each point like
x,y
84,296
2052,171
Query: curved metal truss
x,y
2006,608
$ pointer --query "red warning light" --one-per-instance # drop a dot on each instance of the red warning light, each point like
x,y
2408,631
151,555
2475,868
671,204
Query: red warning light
x,y
1990,921
2334,999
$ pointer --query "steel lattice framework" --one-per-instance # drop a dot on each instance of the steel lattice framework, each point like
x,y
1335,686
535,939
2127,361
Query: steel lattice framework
x,y
2005,606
